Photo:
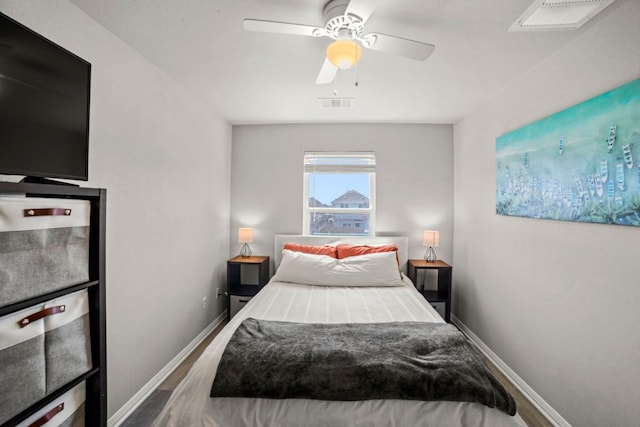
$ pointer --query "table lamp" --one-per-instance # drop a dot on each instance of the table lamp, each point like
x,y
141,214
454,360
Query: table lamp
x,y
430,239
245,236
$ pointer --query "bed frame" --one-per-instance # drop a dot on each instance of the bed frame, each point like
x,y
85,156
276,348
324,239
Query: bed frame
x,y
401,241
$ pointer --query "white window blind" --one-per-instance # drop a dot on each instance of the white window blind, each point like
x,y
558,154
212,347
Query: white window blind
x,y
340,162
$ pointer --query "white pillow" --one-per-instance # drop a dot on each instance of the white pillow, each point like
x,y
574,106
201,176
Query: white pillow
x,y
377,269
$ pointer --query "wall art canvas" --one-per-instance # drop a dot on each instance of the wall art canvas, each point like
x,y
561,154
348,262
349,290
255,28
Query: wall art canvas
x,y
580,164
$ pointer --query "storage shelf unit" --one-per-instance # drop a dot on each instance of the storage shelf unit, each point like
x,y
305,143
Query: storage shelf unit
x,y
96,378
239,291
443,294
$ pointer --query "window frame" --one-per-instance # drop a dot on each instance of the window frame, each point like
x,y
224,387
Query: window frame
x,y
369,169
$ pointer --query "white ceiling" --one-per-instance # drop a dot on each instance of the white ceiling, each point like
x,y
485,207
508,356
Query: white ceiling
x,y
270,78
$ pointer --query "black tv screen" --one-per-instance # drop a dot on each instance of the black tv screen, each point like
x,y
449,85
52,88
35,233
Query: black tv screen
x,y
44,106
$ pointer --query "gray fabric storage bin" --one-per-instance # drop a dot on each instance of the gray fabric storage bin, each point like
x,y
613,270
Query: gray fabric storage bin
x,y
67,340
67,410
44,246
22,363
42,348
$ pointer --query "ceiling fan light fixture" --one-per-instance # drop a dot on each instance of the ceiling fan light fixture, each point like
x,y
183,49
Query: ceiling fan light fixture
x,y
344,53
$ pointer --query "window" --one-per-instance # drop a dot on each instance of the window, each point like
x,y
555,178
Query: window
x,y
339,194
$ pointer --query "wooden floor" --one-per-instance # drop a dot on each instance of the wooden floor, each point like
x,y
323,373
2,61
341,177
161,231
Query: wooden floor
x,y
526,410
146,413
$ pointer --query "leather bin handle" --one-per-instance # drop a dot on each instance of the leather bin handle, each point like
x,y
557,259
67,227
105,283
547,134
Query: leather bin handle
x,y
40,314
47,212
46,417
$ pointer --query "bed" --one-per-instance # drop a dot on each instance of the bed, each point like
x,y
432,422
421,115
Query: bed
x,y
303,305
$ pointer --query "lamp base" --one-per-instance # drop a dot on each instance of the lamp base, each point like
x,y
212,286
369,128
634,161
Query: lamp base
x,y
245,251
430,254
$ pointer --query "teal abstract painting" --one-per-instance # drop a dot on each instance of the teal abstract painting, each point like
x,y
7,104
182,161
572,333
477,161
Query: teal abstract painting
x,y
580,164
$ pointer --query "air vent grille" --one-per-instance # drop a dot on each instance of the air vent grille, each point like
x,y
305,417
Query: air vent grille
x,y
336,102
558,14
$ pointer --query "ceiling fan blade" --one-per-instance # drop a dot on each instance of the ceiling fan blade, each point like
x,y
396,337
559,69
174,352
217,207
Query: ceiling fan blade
x,y
280,27
404,47
327,73
362,8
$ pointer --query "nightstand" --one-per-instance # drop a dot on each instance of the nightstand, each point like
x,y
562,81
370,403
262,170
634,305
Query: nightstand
x,y
245,277
440,299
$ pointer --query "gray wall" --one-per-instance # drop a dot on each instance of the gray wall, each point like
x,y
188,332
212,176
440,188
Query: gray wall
x,y
557,301
164,158
413,179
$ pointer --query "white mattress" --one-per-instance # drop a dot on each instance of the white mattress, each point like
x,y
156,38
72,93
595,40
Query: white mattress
x,y
190,404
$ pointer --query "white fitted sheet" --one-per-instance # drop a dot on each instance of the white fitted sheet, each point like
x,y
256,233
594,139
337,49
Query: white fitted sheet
x,y
190,404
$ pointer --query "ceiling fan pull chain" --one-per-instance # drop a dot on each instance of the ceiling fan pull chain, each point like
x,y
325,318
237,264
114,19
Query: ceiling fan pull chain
x,y
335,84
355,47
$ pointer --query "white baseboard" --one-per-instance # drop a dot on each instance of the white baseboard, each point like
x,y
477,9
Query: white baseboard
x,y
132,404
533,397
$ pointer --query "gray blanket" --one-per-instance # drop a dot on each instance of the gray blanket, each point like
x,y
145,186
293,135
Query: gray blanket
x,y
356,361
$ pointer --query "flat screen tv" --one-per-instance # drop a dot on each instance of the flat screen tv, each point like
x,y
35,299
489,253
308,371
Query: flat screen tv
x,y
44,106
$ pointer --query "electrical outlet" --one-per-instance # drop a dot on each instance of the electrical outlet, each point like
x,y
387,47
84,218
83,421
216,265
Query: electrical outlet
x,y
204,302
217,293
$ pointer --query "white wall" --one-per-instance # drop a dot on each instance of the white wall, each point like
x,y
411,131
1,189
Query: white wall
x,y
413,179
557,301
164,158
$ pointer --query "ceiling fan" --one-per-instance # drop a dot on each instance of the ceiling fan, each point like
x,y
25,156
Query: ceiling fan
x,y
344,23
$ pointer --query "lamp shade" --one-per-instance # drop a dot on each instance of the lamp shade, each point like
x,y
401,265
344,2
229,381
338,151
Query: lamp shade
x,y
431,238
344,53
245,235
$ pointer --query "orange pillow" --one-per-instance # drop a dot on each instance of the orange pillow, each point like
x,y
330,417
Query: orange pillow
x,y
311,249
345,250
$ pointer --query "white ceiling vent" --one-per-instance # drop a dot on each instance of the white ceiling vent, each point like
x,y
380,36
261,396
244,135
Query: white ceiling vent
x,y
335,102
558,14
